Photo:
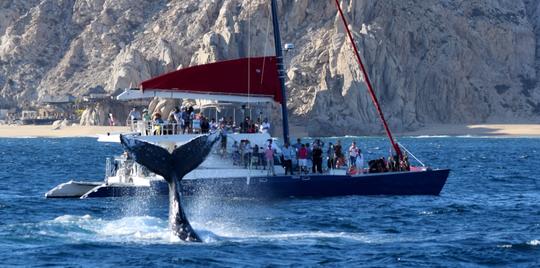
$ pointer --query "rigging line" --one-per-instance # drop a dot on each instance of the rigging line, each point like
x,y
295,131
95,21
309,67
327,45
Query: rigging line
x,y
265,45
409,152
368,82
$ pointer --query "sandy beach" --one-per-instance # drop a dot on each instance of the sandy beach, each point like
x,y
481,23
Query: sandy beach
x,y
490,130
484,130
15,131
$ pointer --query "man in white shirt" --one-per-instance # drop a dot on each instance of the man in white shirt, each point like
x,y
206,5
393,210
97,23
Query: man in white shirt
x,y
265,126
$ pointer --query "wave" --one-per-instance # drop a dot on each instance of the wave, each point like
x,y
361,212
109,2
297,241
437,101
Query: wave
x,y
138,229
526,245
153,230
429,136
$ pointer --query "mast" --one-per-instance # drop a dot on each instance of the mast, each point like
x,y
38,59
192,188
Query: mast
x,y
281,71
368,84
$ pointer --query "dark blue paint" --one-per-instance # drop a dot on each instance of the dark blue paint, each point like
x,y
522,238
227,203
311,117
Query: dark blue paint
x,y
398,183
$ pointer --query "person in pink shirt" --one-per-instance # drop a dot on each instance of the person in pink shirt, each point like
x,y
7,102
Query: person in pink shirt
x,y
269,155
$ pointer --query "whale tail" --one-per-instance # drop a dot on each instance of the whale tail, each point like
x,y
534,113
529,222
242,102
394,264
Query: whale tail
x,y
173,167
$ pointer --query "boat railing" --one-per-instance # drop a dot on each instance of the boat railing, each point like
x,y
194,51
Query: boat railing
x,y
151,128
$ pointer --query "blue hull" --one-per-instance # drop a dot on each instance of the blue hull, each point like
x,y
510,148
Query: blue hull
x,y
428,182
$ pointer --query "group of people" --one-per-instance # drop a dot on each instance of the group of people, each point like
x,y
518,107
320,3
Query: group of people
x,y
312,154
299,158
184,120
254,155
248,126
336,157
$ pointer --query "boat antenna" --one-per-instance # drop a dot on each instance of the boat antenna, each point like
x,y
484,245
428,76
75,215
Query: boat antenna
x,y
368,83
281,71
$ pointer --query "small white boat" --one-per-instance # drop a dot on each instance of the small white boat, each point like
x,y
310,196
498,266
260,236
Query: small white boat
x,y
72,189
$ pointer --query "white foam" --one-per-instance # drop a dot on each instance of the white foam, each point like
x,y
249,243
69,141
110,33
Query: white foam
x,y
72,218
152,230
139,229
534,242
429,136
290,237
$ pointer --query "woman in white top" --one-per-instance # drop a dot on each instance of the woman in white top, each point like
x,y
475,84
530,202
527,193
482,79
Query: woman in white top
x,y
353,153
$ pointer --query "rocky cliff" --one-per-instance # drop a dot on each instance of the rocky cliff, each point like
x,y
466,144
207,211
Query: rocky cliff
x,y
431,61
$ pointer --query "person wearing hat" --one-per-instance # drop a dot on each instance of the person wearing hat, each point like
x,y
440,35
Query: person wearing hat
x,y
158,122
145,115
146,120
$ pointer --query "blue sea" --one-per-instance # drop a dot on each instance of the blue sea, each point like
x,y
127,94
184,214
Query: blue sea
x,y
488,214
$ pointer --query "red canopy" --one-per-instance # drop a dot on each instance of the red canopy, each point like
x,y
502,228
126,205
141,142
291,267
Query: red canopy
x,y
246,77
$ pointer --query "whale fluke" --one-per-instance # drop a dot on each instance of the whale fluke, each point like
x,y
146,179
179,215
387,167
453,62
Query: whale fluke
x,y
173,167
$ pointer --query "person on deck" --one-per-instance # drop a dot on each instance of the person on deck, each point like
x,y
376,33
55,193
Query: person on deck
x,y
178,118
245,125
309,156
158,122
302,159
297,145
205,125
111,120
213,125
171,124
145,115
133,117
229,128
255,156
338,155
288,153
317,158
353,153
330,154
265,126
269,156
185,120
360,162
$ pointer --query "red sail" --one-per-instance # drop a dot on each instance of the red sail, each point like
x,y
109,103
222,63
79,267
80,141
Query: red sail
x,y
244,77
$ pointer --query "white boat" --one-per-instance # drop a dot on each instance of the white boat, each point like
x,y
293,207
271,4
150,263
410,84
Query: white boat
x,y
262,80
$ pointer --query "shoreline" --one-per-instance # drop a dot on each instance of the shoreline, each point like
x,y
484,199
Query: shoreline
x,y
476,130
47,131
451,130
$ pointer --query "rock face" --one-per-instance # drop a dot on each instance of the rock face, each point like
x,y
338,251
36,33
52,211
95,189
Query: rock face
x,y
430,61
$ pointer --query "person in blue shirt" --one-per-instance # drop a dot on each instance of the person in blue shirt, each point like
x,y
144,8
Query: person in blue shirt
x,y
288,153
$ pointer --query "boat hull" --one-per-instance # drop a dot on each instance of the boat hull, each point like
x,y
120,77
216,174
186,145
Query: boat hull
x,y
72,189
429,182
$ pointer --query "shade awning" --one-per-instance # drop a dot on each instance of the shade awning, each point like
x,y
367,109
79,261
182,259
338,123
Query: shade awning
x,y
233,80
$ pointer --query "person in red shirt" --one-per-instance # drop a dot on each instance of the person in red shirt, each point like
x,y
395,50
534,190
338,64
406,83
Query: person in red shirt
x,y
302,158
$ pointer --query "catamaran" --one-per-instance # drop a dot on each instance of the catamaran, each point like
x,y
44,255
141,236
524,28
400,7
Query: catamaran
x,y
252,80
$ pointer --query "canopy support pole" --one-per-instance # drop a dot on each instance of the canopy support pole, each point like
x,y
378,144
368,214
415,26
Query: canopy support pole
x,y
368,83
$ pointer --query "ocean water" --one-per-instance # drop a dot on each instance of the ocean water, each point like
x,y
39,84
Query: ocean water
x,y
487,214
